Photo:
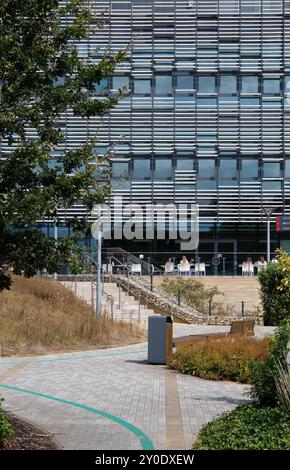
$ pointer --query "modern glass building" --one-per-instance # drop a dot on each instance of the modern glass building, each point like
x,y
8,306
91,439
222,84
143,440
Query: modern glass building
x,y
206,119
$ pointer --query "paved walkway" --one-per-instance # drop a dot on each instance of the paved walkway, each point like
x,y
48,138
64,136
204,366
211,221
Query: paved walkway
x,y
113,399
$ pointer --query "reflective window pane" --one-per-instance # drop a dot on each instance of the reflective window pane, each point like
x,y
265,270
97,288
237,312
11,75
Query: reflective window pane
x,y
249,169
120,175
287,168
184,82
271,169
206,84
142,86
228,168
228,84
206,184
184,164
120,169
120,82
250,84
163,84
163,169
272,185
272,86
206,168
142,169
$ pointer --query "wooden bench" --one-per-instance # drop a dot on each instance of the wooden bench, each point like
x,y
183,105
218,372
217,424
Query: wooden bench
x,y
238,328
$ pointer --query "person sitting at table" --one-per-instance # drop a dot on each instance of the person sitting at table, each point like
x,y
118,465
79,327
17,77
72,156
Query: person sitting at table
x,y
169,266
261,264
184,266
192,266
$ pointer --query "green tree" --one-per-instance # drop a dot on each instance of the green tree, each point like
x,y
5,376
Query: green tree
x,y
275,290
41,78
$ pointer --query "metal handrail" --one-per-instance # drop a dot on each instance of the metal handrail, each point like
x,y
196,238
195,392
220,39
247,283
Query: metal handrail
x,y
147,266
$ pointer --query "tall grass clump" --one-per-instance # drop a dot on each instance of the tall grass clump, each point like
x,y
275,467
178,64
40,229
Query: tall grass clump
x,y
39,315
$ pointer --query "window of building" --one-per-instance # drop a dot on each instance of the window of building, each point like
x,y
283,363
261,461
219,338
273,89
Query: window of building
x,y
271,169
184,164
120,82
209,102
206,168
228,168
287,168
206,184
250,102
271,86
163,169
206,84
120,175
250,84
184,82
228,84
163,84
142,169
287,83
272,185
142,86
101,86
120,169
249,169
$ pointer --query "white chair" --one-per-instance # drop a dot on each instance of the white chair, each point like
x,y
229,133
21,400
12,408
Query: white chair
x,y
200,269
107,268
169,268
184,268
247,269
136,269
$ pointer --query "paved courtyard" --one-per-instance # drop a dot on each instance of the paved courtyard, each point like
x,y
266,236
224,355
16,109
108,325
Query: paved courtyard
x,y
113,399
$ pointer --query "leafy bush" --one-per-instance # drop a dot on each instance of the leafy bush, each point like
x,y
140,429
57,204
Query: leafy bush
x,y
225,359
5,427
275,290
248,427
192,292
264,374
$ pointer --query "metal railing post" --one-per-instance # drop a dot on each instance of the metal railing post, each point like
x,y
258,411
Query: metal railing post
x,y
139,308
112,308
210,308
92,295
178,296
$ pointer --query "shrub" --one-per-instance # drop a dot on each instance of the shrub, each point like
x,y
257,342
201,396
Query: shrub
x,y
192,292
225,359
5,427
275,290
248,427
264,374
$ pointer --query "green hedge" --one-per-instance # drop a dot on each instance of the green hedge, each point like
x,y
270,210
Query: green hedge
x,y
275,290
248,427
222,360
263,373
5,427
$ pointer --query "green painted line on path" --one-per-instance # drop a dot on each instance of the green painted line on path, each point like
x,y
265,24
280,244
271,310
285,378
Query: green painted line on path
x,y
145,442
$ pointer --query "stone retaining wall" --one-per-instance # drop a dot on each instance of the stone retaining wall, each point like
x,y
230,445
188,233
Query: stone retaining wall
x,y
169,308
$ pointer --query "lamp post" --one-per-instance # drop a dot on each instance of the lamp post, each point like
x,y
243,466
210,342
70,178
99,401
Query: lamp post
x,y
268,212
97,235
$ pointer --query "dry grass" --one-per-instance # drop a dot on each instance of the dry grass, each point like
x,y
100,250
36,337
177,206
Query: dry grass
x,y
224,359
39,316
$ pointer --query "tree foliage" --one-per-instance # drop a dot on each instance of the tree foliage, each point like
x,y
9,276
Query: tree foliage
x,y
275,290
42,77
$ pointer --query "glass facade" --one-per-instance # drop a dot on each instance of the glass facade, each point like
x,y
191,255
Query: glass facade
x,y
207,115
